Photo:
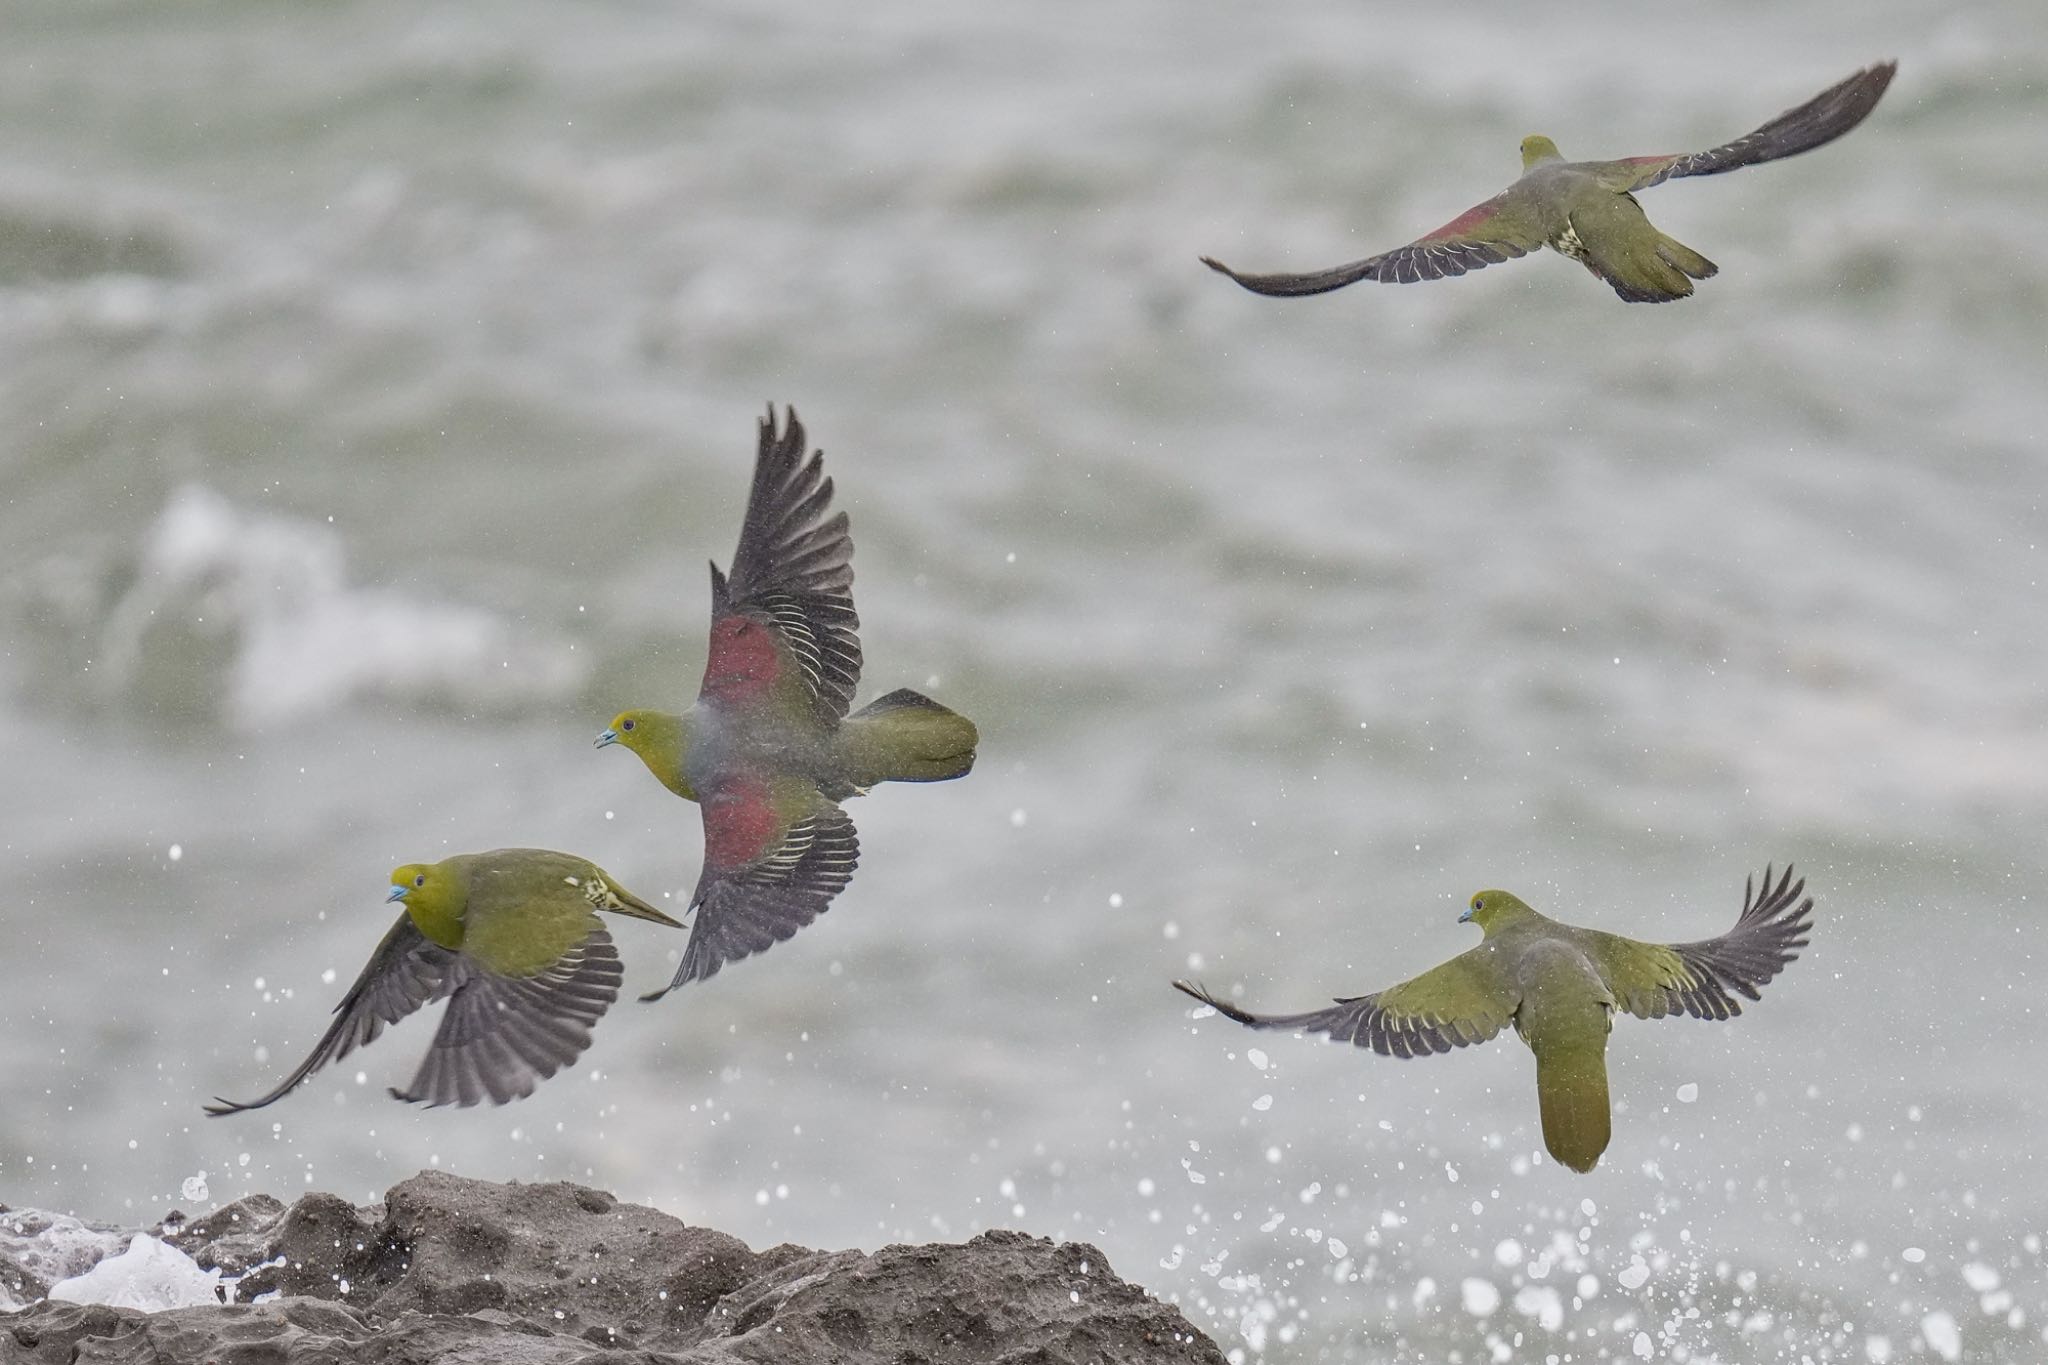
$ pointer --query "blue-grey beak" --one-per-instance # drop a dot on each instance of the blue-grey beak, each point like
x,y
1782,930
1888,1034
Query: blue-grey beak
x,y
608,737
397,894
1466,917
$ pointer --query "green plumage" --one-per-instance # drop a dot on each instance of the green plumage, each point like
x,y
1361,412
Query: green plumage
x,y
1587,209
903,737
511,939
1560,986
769,750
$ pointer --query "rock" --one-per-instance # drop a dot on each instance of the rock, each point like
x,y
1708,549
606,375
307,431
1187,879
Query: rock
x,y
299,1331
235,1238
1003,1297
449,1269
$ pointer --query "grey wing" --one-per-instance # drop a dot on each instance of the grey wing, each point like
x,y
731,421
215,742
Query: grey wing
x,y
1771,931
1708,979
1486,234
1820,120
407,971
749,909
504,1035
793,569
1366,1021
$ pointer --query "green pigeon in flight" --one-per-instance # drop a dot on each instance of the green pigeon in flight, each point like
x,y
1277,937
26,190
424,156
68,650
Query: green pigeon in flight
x,y
510,939
769,751
1587,209
1560,986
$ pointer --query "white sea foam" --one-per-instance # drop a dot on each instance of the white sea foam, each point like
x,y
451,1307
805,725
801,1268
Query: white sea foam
x,y
150,1275
51,1247
275,592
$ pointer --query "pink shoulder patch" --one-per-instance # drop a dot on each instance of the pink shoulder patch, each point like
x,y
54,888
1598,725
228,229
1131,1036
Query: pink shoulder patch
x,y
743,662
1464,222
740,823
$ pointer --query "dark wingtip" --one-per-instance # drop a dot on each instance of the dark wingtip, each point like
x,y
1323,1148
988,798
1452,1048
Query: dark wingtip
x,y
1218,266
681,978
789,433
221,1108
1222,1007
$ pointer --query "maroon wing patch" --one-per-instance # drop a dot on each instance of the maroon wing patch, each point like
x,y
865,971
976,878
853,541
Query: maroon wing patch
x,y
761,884
743,662
792,580
740,824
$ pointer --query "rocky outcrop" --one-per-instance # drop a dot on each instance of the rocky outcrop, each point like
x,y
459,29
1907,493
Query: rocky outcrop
x,y
448,1270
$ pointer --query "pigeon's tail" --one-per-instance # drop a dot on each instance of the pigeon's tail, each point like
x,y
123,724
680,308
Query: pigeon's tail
x,y
1642,264
905,737
1564,1017
1571,1089
1683,257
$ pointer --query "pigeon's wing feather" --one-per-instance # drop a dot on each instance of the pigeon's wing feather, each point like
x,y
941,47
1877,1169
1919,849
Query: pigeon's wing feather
x,y
1709,979
1486,234
407,971
1820,120
761,882
504,1035
788,603
1464,1001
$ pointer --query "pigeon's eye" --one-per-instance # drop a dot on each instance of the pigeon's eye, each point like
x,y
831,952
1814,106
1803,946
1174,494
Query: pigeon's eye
x,y
420,880
626,725
1478,902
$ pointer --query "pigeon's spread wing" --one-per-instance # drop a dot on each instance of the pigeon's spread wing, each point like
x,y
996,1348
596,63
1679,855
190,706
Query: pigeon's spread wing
x,y
788,603
1820,120
504,1035
407,971
1466,1000
1704,979
1484,235
761,881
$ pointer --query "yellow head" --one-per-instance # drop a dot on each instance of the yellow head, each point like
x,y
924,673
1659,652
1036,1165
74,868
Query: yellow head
x,y
1494,911
660,738
1537,147
435,898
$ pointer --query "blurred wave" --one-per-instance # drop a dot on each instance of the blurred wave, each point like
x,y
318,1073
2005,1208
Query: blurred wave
x,y
249,619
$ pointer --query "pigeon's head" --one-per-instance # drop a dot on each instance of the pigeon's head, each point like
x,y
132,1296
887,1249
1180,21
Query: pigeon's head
x,y
1538,148
435,895
644,732
1493,911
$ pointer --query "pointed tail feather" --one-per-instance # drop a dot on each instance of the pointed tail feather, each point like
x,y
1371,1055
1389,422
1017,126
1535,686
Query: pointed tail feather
x,y
1643,272
624,902
905,737
1571,1088
1683,257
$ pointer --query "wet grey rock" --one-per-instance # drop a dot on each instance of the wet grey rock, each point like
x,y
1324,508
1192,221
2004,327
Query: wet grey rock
x,y
453,1270
298,1331
236,1237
